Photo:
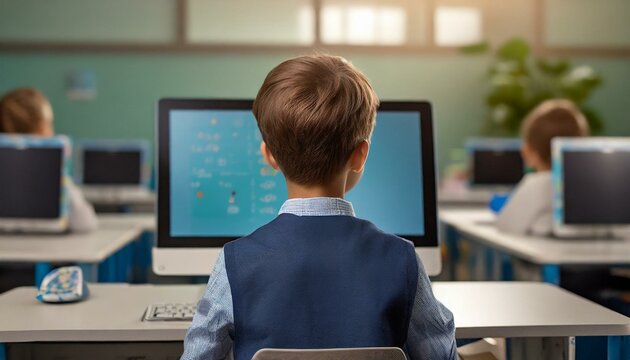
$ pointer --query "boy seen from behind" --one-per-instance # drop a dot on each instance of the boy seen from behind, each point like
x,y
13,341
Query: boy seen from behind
x,y
529,209
317,276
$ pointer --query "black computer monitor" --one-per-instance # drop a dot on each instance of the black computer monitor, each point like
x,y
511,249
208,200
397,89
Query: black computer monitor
x,y
495,162
112,162
32,192
111,167
591,182
214,185
31,184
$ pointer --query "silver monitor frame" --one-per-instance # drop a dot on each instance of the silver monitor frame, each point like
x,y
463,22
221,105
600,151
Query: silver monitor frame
x,y
199,261
559,145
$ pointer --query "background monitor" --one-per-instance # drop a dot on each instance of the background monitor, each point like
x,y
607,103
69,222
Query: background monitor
x,y
591,179
214,185
495,162
112,162
32,192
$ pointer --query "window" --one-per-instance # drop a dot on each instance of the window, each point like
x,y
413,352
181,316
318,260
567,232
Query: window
x,y
458,25
271,22
551,26
358,24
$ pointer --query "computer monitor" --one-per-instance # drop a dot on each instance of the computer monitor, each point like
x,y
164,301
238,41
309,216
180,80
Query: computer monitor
x,y
109,170
32,186
495,162
590,186
214,185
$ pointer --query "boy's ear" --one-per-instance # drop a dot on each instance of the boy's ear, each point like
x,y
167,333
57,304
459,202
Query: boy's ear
x,y
528,155
359,156
268,157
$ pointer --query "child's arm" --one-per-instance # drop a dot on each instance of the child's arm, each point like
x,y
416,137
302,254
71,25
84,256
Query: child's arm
x,y
431,328
211,333
82,215
528,202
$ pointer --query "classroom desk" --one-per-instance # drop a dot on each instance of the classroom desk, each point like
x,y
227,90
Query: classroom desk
x,y
481,309
146,221
88,250
549,253
103,198
464,199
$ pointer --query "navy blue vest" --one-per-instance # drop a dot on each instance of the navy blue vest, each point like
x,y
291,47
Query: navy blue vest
x,y
320,282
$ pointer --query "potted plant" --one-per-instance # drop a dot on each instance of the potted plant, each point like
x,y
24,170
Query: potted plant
x,y
518,83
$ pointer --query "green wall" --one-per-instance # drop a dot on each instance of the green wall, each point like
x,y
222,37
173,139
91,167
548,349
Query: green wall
x,y
130,84
144,21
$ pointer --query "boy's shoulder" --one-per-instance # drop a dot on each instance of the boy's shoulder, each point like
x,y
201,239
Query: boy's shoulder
x,y
285,224
537,177
371,227
536,185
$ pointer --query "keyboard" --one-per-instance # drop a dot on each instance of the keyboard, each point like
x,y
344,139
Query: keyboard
x,y
170,312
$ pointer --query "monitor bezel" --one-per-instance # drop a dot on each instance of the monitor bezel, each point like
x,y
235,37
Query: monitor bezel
x,y
42,225
164,239
142,146
559,146
488,144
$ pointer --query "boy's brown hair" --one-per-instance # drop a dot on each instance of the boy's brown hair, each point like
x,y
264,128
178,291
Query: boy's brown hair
x,y
22,111
312,112
552,118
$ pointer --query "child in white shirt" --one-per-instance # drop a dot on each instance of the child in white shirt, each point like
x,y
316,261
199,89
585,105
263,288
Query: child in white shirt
x,y
529,208
28,111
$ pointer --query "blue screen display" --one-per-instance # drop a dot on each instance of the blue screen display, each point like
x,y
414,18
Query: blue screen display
x,y
221,186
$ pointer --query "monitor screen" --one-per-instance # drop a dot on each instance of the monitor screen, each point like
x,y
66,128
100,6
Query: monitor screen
x,y
595,187
30,185
220,185
497,167
112,167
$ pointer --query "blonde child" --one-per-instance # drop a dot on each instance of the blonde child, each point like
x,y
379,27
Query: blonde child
x,y
28,111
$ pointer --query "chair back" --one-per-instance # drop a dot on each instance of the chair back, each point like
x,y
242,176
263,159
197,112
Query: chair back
x,y
375,353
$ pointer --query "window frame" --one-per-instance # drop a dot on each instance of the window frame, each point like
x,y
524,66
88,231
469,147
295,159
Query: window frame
x,y
181,45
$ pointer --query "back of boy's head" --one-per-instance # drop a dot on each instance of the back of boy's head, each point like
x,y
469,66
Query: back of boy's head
x,y
552,118
22,111
312,112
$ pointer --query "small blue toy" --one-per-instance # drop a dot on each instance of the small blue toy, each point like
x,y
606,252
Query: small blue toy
x,y
65,284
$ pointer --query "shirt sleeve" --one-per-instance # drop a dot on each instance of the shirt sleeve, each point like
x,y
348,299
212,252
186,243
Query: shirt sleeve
x,y
82,215
431,334
526,205
211,333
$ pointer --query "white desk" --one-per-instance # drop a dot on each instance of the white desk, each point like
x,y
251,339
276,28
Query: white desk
x,y
525,309
86,249
92,247
146,221
467,198
481,309
140,199
478,225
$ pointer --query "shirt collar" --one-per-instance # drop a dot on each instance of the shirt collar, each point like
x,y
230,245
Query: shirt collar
x,y
317,206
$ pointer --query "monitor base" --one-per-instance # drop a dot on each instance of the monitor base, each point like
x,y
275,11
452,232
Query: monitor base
x,y
200,261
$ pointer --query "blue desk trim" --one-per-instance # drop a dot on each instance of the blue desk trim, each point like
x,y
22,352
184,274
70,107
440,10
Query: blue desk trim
x,y
507,270
551,274
452,249
41,270
618,347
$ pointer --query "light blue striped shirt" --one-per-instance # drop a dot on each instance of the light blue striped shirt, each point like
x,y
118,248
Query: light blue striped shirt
x,y
431,334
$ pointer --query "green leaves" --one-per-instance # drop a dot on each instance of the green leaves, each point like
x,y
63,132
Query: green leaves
x,y
519,83
515,49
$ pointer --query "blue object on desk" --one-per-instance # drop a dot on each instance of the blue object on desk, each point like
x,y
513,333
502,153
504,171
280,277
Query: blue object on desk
x,y
65,284
498,201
